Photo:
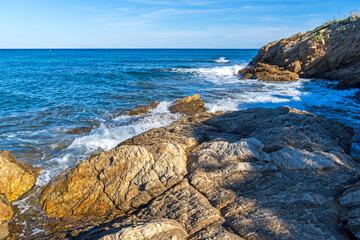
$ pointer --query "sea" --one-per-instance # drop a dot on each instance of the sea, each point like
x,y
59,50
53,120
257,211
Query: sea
x,y
46,93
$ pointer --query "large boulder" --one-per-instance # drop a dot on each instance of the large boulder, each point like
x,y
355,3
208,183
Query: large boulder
x,y
188,105
329,51
268,73
15,178
122,179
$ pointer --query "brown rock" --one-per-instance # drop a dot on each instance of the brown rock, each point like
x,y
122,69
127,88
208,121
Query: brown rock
x,y
4,231
283,127
6,211
147,230
184,204
121,179
188,105
139,110
266,72
329,51
15,178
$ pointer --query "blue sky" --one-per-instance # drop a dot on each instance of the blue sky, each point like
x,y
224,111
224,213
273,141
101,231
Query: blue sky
x,y
160,24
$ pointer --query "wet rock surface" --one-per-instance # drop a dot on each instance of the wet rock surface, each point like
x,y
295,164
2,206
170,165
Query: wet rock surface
x,y
268,73
252,174
139,110
329,51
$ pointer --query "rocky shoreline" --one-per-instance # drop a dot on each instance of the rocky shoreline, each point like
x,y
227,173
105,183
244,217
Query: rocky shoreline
x,y
330,51
251,174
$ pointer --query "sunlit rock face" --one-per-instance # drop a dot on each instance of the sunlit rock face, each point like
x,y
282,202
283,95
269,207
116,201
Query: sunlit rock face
x,y
251,174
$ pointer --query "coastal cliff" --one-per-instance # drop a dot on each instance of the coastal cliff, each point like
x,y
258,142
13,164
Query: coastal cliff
x,y
330,51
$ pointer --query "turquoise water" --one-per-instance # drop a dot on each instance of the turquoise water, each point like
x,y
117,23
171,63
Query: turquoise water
x,y
45,93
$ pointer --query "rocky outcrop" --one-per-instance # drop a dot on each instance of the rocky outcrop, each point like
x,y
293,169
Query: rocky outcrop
x,y
251,174
188,105
119,180
15,178
268,73
329,51
351,200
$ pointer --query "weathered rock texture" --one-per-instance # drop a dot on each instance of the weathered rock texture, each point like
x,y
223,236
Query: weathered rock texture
x,y
15,178
119,180
148,230
329,51
6,211
266,72
251,174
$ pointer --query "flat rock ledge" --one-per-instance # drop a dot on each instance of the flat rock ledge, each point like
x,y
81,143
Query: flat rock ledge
x,y
251,174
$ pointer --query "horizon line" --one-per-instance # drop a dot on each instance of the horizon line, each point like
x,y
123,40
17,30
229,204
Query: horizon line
x,y
129,48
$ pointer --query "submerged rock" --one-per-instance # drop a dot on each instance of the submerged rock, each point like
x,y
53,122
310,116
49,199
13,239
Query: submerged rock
x,y
139,110
330,51
268,73
78,130
251,174
188,105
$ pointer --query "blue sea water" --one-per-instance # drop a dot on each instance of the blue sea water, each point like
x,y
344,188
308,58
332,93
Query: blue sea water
x,y
44,93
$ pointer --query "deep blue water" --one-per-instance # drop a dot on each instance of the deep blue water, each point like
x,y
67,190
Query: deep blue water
x,y
44,93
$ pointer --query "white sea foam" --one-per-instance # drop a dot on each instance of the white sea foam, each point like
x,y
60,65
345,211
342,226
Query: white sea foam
x,y
218,75
105,138
221,60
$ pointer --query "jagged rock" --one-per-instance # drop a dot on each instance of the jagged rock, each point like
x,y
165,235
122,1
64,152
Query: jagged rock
x,y
6,211
329,51
184,204
351,200
283,127
118,180
147,230
139,110
266,72
78,130
15,178
188,105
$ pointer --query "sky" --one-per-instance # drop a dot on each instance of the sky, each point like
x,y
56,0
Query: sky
x,y
161,23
